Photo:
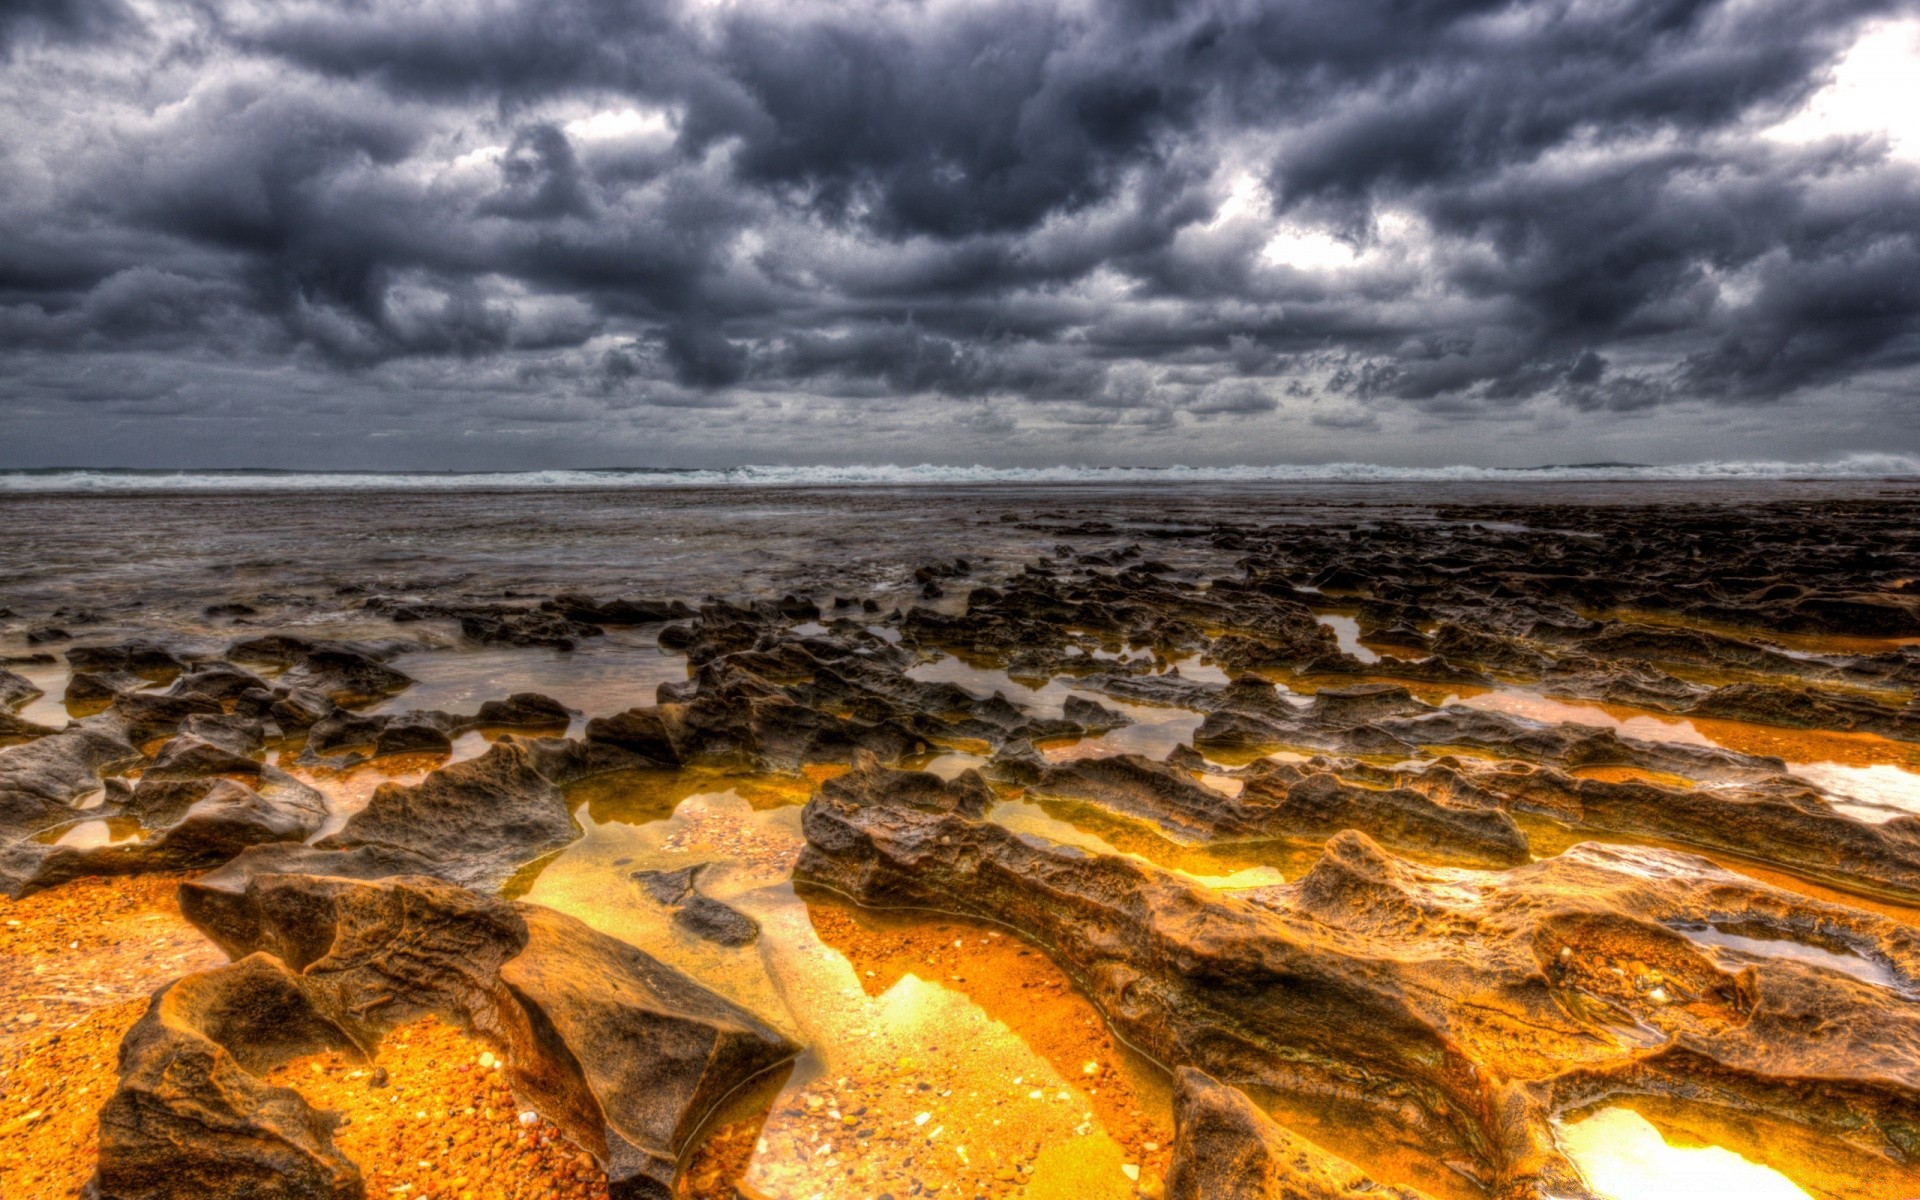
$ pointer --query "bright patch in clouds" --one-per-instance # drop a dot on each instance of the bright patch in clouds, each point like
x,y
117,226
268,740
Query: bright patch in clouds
x,y
1307,249
1875,90
620,123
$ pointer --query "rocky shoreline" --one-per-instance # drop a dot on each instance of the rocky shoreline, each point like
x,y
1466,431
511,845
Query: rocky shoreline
x,y
1534,783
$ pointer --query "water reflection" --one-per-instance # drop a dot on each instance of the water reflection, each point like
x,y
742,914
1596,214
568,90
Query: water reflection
x,y
604,675
1154,730
1624,1157
1070,823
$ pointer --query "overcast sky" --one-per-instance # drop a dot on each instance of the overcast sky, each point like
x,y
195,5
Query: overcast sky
x,y
530,233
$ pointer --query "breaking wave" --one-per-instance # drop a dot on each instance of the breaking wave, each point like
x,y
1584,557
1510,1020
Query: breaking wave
x,y
1853,466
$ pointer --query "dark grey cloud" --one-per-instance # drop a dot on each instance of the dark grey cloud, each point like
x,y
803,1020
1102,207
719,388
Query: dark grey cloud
x,y
1238,228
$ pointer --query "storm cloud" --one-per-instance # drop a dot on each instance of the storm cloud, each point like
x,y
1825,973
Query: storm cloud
x,y
547,232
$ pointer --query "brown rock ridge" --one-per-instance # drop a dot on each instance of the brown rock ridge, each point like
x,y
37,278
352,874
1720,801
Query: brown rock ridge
x,y
1473,1005
1225,1148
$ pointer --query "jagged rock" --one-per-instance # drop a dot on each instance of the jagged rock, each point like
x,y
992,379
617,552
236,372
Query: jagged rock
x,y
217,681
239,734
226,818
1319,805
15,729
300,708
484,817
150,716
1140,787
664,1050
90,691
567,761
1786,824
1092,716
525,628
346,677
639,731
190,1121
150,661
425,732
1804,708
373,954
523,710
625,1054
577,607
1224,1148
190,756
1470,1005
1570,746
41,779
16,690
695,912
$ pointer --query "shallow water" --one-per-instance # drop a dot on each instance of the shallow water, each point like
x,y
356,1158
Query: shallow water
x,y
1154,730
603,675
926,1053
1625,1158
1746,947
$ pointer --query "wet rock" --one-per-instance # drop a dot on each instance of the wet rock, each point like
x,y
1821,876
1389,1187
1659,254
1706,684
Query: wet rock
x,y
198,897
567,761
1775,821
217,681
1860,614
150,716
373,954
526,628
523,710
88,692
235,733
484,817
226,818
1571,746
274,650
1319,805
664,1050
1279,801
1358,703
345,676
1804,708
41,779
1227,1149
625,1054
190,1121
299,708
624,611
1138,786
1355,980
148,660
15,729
16,690
189,756
409,738
643,732
668,887
1092,716
870,784
695,912
340,731
1191,977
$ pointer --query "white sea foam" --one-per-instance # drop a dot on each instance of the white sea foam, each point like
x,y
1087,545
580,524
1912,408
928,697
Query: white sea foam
x,y
1854,466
